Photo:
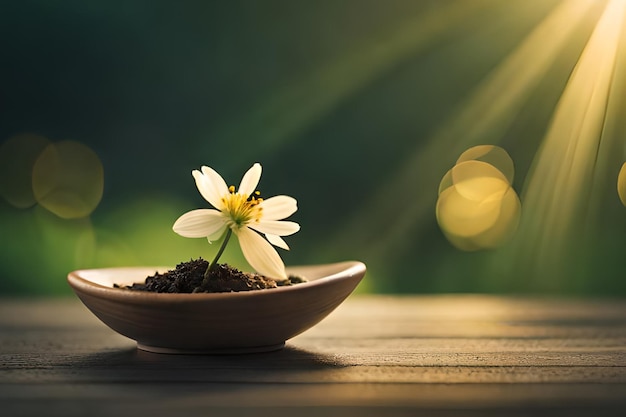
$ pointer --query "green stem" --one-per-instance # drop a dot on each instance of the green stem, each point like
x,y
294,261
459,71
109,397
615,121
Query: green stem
x,y
213,264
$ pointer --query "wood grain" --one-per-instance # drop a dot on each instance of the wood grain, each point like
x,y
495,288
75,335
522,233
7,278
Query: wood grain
x,y
375,355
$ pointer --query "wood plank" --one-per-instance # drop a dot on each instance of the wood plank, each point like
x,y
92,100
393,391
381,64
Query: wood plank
x,y
323,394
315,399
360,374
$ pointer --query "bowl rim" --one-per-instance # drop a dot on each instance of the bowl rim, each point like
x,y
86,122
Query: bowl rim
x,y
347,270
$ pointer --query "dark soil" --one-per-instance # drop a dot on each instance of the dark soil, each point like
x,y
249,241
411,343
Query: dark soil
x,y
188,277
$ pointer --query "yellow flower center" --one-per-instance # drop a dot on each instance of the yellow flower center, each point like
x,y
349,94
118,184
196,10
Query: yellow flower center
x,y
241,209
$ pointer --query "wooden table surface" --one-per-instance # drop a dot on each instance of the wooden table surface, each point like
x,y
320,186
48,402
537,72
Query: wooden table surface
x,y
374,355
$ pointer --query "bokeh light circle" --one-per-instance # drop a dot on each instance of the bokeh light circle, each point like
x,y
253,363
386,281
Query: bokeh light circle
x,y
505,225
68,179
479,181
477,207
493,155
621,184
446,182
465,217
17,158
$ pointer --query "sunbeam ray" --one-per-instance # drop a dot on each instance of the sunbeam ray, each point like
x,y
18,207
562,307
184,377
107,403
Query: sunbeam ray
x,y
558,189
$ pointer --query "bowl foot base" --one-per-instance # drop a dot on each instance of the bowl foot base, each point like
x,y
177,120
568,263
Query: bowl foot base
x,y
211,351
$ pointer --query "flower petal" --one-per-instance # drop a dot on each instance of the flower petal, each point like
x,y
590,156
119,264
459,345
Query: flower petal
x,y
199,223
260,254
250,180
277,241
215,236
278,207
211,185
275,227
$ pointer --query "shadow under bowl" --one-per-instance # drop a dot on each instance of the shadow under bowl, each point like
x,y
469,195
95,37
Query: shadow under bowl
x,y
236,322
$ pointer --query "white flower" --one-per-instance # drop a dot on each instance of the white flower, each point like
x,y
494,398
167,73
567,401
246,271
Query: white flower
x,y
245,213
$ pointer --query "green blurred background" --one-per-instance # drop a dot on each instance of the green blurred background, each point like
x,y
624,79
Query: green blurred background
x,y
357,108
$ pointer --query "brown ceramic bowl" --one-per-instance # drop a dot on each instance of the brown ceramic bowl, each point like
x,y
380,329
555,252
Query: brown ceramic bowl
x,y
238,322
